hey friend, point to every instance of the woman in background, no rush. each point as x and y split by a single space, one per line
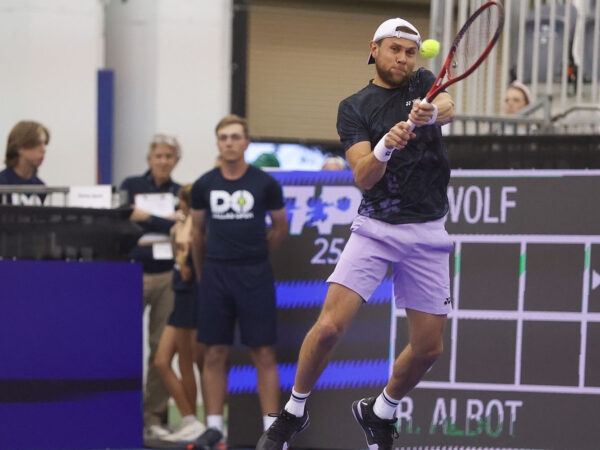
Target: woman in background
179 336
516 98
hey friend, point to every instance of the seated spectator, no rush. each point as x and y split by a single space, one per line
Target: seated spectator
334 162
25 151
516 98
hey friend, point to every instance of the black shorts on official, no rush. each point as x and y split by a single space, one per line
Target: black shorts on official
237 294
184 314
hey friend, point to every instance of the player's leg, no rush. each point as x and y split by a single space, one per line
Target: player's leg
359 271
340 307
421 286
356 276
377 415
426 343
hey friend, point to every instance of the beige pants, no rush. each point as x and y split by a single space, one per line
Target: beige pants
158 294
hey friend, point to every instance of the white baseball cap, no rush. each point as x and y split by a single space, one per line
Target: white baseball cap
391 28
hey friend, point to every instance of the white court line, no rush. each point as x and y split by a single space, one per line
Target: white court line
527 238
538 388
584 309
537 173
514 315
456 300
519 315
520 310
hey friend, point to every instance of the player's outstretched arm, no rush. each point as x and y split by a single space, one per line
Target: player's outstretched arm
367 170
368 165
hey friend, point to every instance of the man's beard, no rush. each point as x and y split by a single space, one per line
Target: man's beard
389 79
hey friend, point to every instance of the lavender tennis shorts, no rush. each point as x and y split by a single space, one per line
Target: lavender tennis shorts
419 255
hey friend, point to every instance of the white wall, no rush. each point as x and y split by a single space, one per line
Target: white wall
50 51
172 75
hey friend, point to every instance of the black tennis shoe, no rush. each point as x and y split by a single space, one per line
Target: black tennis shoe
208 440
380 433
281 432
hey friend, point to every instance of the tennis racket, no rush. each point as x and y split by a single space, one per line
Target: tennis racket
470 47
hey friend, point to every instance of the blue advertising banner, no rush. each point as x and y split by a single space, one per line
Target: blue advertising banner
71 352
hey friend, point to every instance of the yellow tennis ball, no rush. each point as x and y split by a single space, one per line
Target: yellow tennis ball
430 48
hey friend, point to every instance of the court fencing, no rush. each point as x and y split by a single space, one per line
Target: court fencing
553 46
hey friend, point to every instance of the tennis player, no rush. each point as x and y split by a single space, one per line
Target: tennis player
404 175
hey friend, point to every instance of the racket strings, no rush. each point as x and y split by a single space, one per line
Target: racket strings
472 44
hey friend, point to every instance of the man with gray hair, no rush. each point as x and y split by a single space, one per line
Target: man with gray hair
163 154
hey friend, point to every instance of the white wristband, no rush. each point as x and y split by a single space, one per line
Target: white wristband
435 114
381 152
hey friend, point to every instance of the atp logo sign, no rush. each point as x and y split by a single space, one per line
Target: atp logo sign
322 208
236 206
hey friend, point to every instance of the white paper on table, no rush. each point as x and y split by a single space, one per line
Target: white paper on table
159 204
153 238
90 196
162 250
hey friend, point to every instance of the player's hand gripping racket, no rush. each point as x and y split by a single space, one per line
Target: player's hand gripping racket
470 47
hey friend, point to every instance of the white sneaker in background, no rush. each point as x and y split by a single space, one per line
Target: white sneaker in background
155 432
187 433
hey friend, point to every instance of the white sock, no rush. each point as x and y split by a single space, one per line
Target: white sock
186 420
385 406
215 421
267 421
296 403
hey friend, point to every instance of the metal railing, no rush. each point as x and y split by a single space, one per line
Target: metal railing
552 46
32 194
580 119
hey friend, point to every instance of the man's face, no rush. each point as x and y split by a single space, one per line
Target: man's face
162 161
232 142
34 156
395 59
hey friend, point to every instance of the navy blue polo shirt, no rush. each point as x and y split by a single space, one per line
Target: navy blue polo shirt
9 177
